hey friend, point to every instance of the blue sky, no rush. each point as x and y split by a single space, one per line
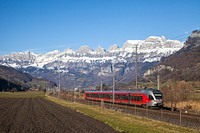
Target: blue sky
45 25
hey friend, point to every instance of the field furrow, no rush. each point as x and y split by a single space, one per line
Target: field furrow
35 115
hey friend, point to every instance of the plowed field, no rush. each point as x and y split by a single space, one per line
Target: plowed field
38 115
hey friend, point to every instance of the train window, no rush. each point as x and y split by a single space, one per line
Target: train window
139 98
120 97
136 98
95 95
123 97
158 95
99 95
151 97
132 98
117 96
107 96
129 98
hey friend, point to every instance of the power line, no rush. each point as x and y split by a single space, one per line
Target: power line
136 67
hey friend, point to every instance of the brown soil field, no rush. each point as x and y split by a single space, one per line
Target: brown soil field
38 115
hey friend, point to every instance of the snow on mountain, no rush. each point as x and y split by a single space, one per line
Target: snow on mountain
182 65
114 48
130 45
155 39
151 49
84 49
69 51
93 62
100 50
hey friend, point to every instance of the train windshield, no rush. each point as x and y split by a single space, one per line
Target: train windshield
158 95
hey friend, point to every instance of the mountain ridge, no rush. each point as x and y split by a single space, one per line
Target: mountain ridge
87 66
182 65
15 80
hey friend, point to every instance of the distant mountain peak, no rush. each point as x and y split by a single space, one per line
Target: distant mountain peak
155 39
53 52
195 33
193 40
85 65
183 64
113 48
100 50
85 49
69 51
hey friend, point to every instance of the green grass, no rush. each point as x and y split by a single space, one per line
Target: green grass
197 95
123 122
28 94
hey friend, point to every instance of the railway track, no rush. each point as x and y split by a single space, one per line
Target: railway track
174 117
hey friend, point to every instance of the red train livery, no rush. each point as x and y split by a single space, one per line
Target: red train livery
143 97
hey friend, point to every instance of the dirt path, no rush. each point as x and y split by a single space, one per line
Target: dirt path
38 115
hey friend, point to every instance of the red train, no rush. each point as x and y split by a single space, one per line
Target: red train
142 97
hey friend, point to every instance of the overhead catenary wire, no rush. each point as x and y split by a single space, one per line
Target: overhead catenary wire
181 36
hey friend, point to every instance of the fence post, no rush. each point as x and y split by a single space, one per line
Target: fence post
126 108
180 117
147 111
102 104
110 104
135 108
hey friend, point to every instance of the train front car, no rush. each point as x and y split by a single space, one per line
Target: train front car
146 97
155 97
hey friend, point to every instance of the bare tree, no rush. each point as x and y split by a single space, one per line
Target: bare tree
176 91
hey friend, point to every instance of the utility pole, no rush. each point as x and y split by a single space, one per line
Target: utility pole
101 85
74 87
158 80
113 84
8 84
101 80
59 80
136 67
59 86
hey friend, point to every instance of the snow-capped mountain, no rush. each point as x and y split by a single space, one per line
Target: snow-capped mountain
182 65
88 67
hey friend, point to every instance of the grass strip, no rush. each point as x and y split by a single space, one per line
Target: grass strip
123 122
24 94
